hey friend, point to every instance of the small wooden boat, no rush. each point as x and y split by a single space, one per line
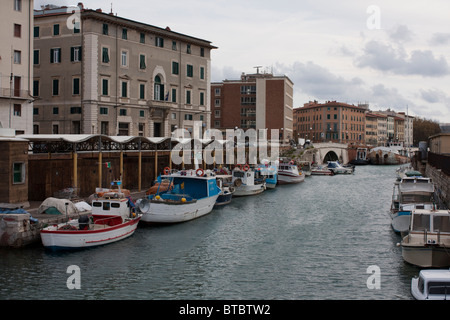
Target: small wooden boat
113 218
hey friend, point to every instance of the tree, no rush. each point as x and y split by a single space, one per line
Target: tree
423 129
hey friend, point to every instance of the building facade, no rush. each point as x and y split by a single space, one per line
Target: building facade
16 69
255 101
97 73
330 121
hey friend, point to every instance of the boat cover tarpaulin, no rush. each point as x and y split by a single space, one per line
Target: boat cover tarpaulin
50 204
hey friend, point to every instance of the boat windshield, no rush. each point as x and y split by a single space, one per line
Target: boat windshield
421 222
438 287
441 223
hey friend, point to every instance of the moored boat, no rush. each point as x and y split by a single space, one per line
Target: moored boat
270 174
113 218
337 168
428 241
227 190
193 195
431 284
288 173
247 181
321 171
361 157
409 194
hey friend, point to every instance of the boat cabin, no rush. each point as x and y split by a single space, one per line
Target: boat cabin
431 285
430 223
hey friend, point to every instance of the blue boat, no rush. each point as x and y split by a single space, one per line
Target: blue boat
270 173
227 190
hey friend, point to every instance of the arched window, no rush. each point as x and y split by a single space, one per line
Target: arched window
159 89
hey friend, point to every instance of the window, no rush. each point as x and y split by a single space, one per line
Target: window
189 70
56 29
17 57
17 30
202 98
36 57
202 52
123 129
142 65
55 87
76 86
55 110
36 88
35 129
174 45
36 32
104 127
188 116
141 128
142 38
105 29
105 55
75 110
202 73
141 113
159 89
217 103
217 91
173 116
188 96
55 129
217 113
142 91
18 5
17 110
175 67
123 112
105 87
124 58
124 89
159 42
76 27
103 110
188 48
124 34
55 55
75 54
18 172
35 111
174 95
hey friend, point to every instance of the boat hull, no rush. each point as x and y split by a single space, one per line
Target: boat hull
55 239
400 221
245 190
289 179
223 199
426 256
164 212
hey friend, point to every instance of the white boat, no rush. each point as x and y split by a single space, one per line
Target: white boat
193 195
288 173
305 167
428 241
321 171
410 193
113 218
337 168
432 284
246 181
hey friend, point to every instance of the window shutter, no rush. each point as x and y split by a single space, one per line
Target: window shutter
52 51
72 54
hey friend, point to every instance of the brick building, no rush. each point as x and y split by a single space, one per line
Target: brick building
258 101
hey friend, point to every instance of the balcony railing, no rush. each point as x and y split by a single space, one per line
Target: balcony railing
18 94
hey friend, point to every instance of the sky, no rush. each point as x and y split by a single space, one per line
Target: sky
389 54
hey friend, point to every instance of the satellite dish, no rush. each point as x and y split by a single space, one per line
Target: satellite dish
143 205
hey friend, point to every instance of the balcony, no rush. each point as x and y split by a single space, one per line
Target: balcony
14 94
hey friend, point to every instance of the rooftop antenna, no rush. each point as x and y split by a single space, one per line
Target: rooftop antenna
111 8
257 69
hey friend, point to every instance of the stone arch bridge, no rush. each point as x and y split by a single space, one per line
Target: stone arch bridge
330 151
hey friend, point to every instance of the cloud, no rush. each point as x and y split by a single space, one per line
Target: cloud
401 33
384 57
440 38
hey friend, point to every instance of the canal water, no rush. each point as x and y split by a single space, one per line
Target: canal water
318 240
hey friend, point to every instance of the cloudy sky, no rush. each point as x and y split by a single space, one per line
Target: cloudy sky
390 54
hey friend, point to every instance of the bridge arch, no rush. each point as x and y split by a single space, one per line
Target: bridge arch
330 156
330 151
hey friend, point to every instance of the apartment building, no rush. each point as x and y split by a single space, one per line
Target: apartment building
16 69
255 101
96 72
330 121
